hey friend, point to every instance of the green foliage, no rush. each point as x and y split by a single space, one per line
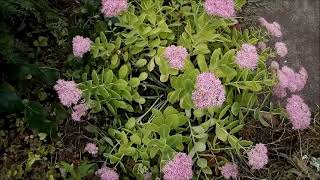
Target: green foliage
41 42
29 155
138 140
107 90
32 158
183 86
137 47
9 100
34 40
18 65
78 173
23 7
37 118
240 3
126 76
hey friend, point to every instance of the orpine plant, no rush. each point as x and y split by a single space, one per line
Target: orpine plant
212 74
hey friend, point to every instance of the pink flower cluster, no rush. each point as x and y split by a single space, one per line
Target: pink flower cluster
209 91
81 45
79 111
91 148
293 81
176 56
112 8
298 112
279 91
247 57
230 170
273 28
258 156
281 49
106 173
68 92
288 79
180 168
221 8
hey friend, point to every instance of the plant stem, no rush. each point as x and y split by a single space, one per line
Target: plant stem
194 142
142 116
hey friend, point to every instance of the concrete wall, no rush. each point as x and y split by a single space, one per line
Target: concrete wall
300 24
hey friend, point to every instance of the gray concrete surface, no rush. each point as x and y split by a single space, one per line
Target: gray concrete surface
299 20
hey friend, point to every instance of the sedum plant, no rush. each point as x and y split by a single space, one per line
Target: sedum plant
209 72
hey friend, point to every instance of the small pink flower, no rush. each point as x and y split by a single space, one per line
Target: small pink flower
180 168
247 57
298 112
230 170
81 45
79 111
221 8
91 148
295 82
112 8
176 55
68 92
279 91
288 79
274 29
281 49
106 173
258 156
209 91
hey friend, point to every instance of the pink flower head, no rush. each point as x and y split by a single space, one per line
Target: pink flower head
68 92
247 57
91 148
229 170
180 168
279 91
81 45
106 173
288 79
209 91
281 49
298 112
262 46
258 156
112 8
79 111
221 8
274 29
176 56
